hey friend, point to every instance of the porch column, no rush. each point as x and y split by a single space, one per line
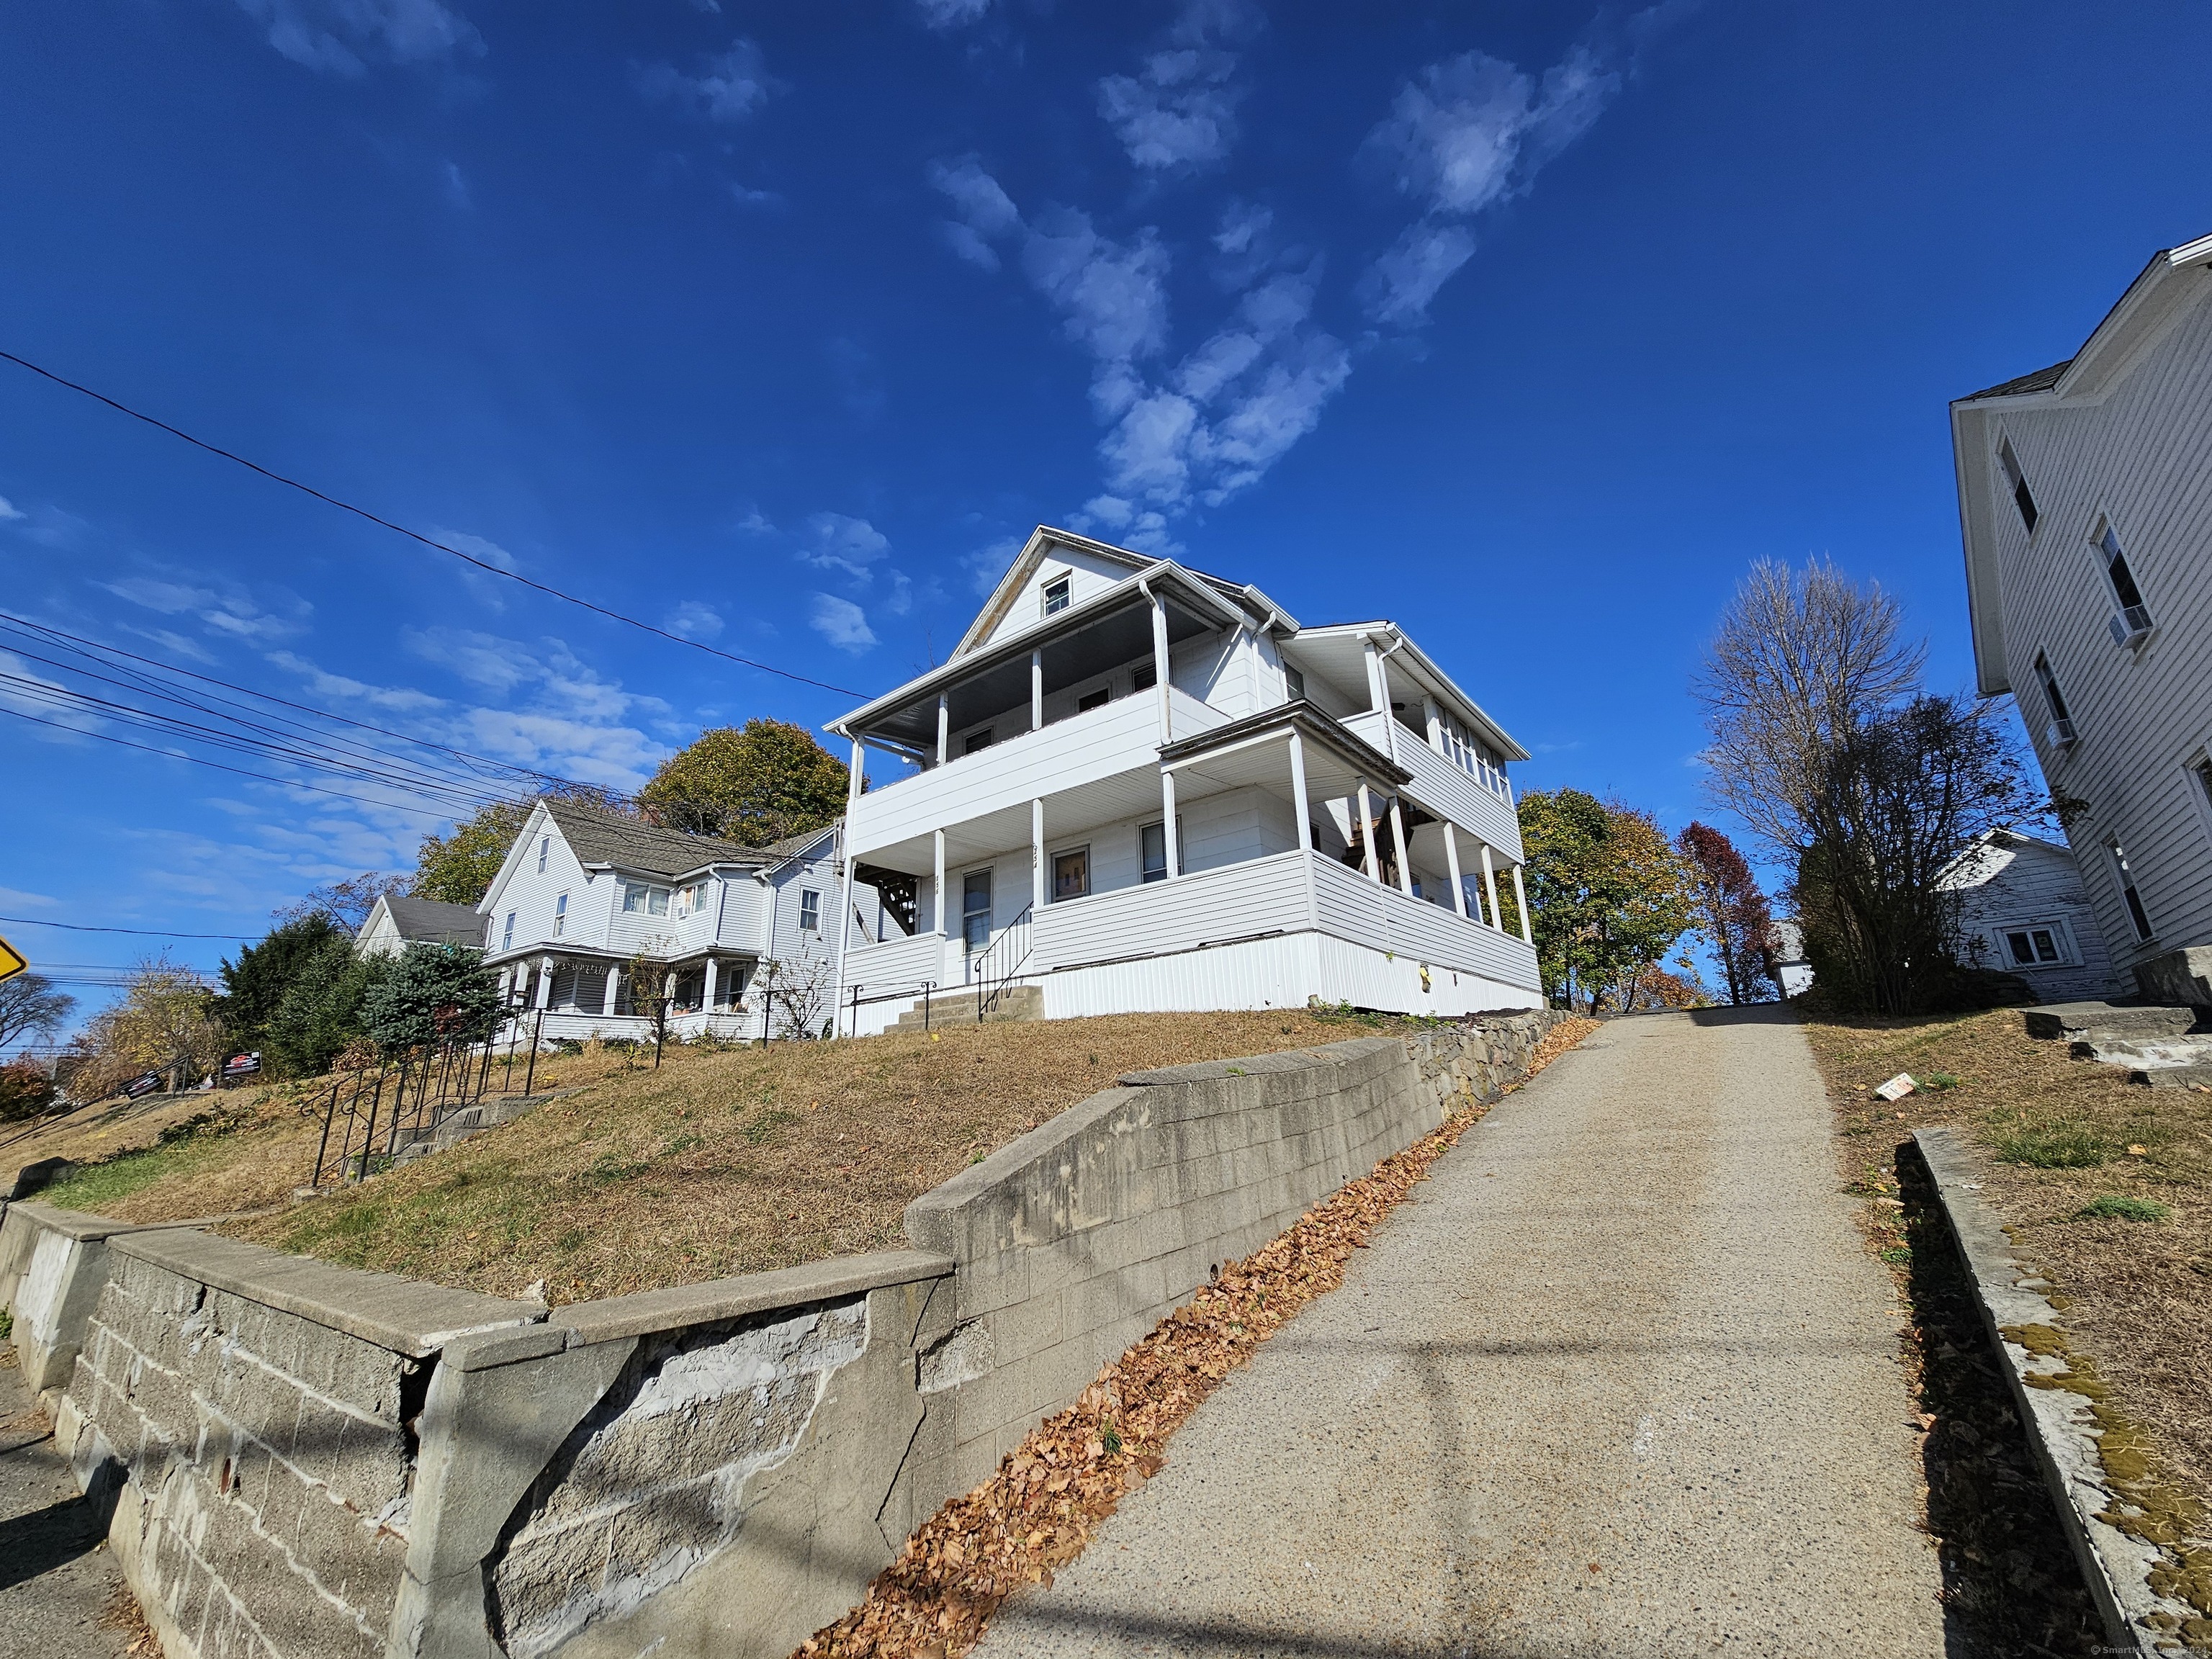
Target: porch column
1160 677
1490 887
1168 837
842 846
1451 861
1298 790
1036 854
943 728
937 886
1521 895
614 990
543 996
1036 690
1378 681
707 988
1367 834
1398 840
1435 718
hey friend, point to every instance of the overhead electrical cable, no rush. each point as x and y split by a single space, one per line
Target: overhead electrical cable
484 565
147 932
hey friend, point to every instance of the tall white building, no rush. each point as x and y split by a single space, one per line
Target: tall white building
1133 787
2084 494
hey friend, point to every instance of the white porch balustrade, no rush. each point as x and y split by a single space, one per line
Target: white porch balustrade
1443 786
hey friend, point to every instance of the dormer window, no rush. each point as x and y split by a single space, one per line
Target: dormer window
2132 621
2022 497
640 898
1057 593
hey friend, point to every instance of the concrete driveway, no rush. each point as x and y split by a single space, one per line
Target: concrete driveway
1619 1380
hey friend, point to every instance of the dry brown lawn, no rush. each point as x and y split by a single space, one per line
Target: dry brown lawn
734 1161
2135 1293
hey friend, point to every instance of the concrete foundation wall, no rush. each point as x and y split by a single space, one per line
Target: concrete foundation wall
310 1462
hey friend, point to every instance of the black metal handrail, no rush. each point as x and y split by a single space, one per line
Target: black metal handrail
993 971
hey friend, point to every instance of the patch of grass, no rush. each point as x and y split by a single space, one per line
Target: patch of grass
2117 1206
1938 1081
2048 1143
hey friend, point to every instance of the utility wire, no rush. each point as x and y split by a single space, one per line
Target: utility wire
484 565
147 932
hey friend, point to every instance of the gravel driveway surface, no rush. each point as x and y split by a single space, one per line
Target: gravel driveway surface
1619 1380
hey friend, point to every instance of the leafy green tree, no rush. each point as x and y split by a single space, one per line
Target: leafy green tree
458 867
320 1013
756 783
1607 895
254 985
432 993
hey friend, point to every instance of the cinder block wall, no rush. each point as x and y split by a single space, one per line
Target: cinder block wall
1075 1240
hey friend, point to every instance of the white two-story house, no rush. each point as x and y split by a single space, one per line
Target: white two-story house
588 900
1135 788
2085 493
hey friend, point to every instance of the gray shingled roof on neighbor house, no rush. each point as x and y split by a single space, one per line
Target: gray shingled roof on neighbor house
2042 380
429 921
628 843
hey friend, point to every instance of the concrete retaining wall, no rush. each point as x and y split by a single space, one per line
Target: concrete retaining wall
308 1460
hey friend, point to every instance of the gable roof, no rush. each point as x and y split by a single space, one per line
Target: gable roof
597 837
431 921
2174 279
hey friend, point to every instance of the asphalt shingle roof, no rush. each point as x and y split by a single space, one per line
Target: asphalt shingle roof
602 838
430 922
2042 380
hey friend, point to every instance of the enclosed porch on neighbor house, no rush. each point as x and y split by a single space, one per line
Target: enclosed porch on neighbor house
580 994
1261 861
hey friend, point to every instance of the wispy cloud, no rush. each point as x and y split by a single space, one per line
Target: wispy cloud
553 712
841 622
837 542
232 613
695 620
1462 136
9 509
951 13
1179 110
344 37
729 87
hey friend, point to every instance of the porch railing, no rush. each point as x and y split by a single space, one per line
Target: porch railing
371 1115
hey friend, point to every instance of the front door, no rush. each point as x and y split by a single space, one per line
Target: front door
975 909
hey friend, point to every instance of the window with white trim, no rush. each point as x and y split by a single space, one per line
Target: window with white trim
2022 497
1294 683
545 846
2129 897
690 900
560 915
2132 620
2036 944
1058 594
642 898
506 933
810 910
2060 732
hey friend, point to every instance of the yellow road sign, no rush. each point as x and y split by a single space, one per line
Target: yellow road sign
11 961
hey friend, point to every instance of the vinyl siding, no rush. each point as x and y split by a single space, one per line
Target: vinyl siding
2011 886
2141 457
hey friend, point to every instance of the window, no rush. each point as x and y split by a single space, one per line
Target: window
810 910
978 740
506 933
691 900
2202 772
1143 677
1057 593
2126 879
975 908
2034 946
2132 621
1153 851
1071 874
2022 497
560 915
1294 681
545 845
1091 700
2061 729
643 899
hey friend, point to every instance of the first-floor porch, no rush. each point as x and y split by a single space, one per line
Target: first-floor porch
583 991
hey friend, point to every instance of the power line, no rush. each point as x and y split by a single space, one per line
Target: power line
147 932
484 565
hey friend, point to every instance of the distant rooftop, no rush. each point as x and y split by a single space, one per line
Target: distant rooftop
2042 380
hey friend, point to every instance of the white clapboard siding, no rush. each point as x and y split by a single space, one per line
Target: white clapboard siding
2017 884
1365 912
1442 787
1264 895
2143 459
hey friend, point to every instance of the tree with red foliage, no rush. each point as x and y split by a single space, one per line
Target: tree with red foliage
1731 912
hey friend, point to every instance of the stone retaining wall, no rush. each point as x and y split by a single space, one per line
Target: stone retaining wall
310 1461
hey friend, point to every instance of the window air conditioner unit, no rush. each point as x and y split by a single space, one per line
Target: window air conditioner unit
2060 734
2130 625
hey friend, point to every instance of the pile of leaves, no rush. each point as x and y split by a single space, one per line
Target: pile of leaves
1039 1509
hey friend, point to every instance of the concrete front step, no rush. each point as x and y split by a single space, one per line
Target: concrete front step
2097 1022
1016 1004
2199 1076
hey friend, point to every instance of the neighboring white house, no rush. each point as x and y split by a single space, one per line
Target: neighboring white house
2022 911
398 921
584 893
1138 787
2085 493
1793 970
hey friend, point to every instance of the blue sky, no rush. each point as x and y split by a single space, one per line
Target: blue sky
1527 326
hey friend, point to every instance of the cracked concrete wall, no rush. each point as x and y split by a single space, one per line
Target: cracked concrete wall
1077 1238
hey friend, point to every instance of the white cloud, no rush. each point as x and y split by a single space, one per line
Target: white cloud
9 509
1180 109
1241 224
1463 136
841 622
457 187
963 239
730 87
231 614
395 699
16 899
976 197
986 565
344 37
951 13
695 620
558 715
836 542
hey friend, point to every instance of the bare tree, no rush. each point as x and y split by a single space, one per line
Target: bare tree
1801 659
347 903
30 1007
800 991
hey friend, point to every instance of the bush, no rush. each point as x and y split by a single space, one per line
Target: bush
432 993
2112 1207
26 1092
2051 1144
